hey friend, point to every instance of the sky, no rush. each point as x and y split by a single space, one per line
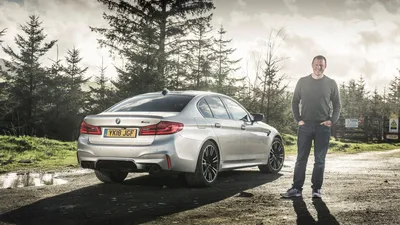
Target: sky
358 37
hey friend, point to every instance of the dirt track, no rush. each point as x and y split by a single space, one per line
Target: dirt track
358 189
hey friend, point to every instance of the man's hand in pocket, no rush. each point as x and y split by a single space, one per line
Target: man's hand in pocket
327 123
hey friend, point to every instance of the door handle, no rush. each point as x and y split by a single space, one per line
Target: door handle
217 125
243 127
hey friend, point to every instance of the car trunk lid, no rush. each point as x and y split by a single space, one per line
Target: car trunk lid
123 129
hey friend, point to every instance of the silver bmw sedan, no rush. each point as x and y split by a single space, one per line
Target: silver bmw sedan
197 134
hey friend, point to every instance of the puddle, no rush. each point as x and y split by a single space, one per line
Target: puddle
17 180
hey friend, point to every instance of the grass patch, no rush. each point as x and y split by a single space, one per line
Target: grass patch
45 154
27 153
290 143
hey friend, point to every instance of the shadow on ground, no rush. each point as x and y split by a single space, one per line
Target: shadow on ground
305 218
137 200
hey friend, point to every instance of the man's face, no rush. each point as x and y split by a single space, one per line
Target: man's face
318 66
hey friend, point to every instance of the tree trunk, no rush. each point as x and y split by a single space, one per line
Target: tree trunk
161 53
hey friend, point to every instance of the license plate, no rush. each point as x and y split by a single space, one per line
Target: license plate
120 133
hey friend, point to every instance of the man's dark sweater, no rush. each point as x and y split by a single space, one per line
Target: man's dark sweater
315 96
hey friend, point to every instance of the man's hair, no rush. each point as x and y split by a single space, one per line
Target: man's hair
319 57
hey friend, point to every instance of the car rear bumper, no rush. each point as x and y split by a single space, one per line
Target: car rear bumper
168 153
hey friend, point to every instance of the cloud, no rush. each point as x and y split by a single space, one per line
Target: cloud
390 6
340 9
241 3
353 46
357 36
291 5
238 18
370 38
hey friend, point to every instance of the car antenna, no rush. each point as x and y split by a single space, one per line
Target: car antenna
165 91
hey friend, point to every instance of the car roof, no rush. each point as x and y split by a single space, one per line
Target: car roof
188 92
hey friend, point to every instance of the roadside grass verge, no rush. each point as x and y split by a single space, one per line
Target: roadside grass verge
338 147
25 153
33 154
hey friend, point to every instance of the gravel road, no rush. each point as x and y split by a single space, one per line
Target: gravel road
358 189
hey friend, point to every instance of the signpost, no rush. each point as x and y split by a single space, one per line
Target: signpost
351 123
393 128
393 125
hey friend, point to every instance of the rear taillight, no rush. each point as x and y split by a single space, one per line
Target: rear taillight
161 128
89 129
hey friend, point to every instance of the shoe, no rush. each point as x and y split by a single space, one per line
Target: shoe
292 192
316 193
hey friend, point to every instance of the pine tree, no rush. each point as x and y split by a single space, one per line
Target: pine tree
199 56
56 83
26 76
4 107
387 109
56 104
344 97
271 88
246 93
74 71
102 96
361 97
76 98
139 73
376 106
352 94
2 33
177 70
147 25
225 66
394 94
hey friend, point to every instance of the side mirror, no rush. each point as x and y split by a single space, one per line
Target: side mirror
257 117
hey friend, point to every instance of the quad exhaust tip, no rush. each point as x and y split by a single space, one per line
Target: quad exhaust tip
153 168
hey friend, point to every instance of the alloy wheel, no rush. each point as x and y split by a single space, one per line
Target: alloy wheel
210 163
276 155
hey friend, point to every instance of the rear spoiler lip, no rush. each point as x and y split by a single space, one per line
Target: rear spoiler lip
154 115
122 116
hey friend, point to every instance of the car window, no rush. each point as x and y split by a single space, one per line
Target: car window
205 109
217 107
153 103
238 113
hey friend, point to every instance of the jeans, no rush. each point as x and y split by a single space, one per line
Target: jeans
307 133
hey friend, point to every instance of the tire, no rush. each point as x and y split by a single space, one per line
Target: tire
111 176
210 155
276 157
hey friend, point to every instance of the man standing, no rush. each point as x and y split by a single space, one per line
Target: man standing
315 92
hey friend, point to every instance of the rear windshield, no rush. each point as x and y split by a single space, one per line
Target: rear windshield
153 103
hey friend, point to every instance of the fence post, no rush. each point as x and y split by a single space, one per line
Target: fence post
398 130
382 128
343 128
385 119
335 128
366 128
